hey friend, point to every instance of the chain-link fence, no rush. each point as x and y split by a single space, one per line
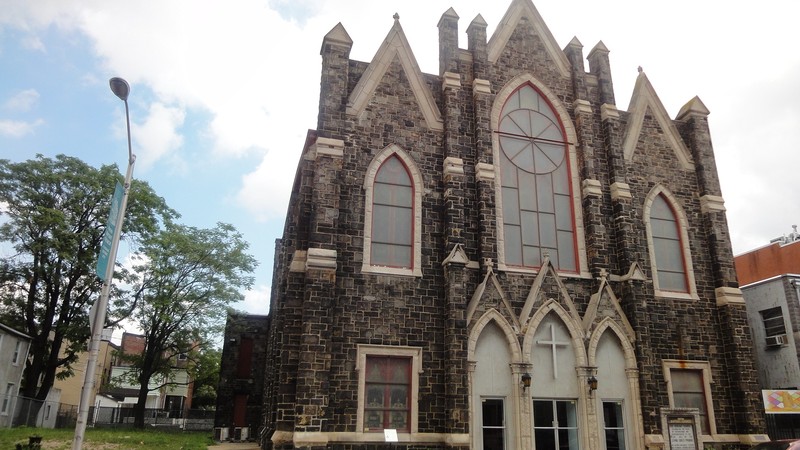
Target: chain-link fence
23 411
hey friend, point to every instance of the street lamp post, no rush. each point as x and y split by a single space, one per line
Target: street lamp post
121 89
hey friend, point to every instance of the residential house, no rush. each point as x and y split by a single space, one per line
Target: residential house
14 346
770 280
172 394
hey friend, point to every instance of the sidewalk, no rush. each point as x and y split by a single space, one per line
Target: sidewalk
235 446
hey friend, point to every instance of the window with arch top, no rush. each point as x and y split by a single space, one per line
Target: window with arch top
668 244
538 216
392 236
670 266
392 213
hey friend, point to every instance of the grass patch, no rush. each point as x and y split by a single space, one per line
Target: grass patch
108 439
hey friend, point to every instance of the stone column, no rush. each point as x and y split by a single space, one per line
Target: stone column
313 390
734 329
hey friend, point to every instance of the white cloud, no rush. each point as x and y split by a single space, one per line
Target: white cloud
22 101
256 300
157 136
18 128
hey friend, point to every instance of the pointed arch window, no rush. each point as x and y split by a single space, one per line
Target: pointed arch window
670 266
670 255
392 212
391 219
537 211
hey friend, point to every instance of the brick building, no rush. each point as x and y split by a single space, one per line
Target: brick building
770 279
498 257
240 392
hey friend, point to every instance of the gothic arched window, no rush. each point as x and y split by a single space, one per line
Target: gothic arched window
538 216
392 216
392 222
668 258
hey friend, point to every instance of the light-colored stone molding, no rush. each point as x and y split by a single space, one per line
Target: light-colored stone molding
694 107
600 47
365 350
303 439
591 188
561 111
395 47
582 106
480 86
321 259
683 226
419 187
621 191
509 22
298 263
608 111
705 368
457 255
337 36
484 172
453 167
634 273
729 296
451 81
327 147
644 97
712 203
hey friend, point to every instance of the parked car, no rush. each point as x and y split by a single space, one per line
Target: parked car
783 444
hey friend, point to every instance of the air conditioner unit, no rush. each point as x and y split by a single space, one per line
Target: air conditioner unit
777 341
221 434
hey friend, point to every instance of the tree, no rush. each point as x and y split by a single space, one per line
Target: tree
206 378
184 281
54 213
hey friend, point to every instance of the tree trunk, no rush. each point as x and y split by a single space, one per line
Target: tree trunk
140 408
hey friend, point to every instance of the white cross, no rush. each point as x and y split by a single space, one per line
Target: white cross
553 343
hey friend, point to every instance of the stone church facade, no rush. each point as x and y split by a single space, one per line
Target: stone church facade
498 257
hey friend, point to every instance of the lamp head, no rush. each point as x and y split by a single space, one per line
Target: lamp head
526 380
120 88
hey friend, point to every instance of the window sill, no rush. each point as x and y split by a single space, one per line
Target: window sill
383 270
677 295
531 271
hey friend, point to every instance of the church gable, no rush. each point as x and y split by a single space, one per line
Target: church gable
604 305
490 295
395 54
646 104
522 15
547 286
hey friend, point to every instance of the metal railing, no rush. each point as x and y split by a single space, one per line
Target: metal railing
23 411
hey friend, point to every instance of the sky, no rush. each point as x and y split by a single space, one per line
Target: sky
223 93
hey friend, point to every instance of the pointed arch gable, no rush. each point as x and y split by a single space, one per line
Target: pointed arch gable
547 271
516 11
609 325
417 188
477 297
570 135
395 46
683 227
573 326
590 317
492 315
644 97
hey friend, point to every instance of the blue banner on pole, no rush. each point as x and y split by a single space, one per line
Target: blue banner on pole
108 235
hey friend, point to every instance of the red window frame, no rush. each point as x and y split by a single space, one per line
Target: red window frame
395 262
571 195
389 410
